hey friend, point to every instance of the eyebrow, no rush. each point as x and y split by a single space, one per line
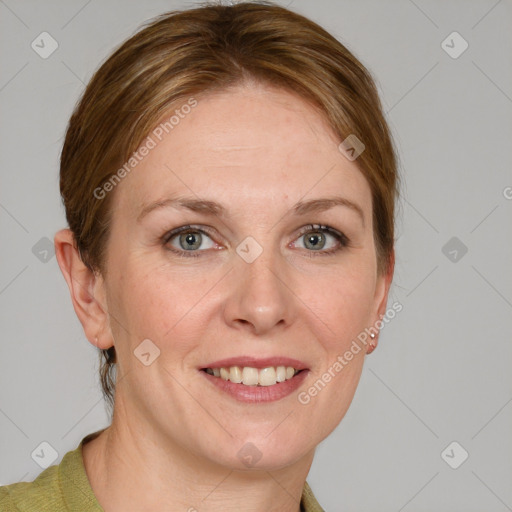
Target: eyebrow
215 209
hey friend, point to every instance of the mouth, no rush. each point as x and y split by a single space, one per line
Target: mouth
256 380
250 376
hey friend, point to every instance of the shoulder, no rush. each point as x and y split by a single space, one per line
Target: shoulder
308 502
41 494
59 488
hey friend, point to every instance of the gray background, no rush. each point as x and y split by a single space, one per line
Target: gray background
442 370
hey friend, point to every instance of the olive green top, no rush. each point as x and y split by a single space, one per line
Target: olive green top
65 487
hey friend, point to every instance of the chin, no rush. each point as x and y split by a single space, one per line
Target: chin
264 452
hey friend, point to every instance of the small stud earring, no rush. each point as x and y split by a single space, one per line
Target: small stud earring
372 345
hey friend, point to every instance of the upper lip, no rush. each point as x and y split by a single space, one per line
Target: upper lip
256 362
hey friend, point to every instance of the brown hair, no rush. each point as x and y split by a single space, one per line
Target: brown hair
187 53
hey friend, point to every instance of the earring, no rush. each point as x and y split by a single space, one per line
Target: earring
372 345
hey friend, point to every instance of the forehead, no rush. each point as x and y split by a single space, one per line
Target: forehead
248 144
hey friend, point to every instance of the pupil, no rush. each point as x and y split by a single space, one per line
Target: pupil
191 241
315 240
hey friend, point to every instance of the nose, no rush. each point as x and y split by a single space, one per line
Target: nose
260 298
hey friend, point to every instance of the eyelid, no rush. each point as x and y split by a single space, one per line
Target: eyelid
169 235
325 229
189 227
342 239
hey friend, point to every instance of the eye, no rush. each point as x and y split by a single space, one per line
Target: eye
317 240
188 240
323 240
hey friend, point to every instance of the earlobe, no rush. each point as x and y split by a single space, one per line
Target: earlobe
381 300
87 290
373 343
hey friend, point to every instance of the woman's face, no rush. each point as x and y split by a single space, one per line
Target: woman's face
249 280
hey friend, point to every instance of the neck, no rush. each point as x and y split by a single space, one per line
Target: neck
133 468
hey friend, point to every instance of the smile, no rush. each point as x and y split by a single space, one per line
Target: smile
249 376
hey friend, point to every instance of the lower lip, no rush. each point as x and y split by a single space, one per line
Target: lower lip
258 394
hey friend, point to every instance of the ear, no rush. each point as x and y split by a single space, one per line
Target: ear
87 289
381 294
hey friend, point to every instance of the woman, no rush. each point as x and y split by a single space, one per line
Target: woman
229 183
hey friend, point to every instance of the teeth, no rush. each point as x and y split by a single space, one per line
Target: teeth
253 376
235 374
281 374
249 376
267 377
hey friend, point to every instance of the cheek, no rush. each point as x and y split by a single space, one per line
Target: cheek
342 301
160 305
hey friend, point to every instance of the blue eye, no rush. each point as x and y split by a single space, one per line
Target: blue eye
191 241
316 237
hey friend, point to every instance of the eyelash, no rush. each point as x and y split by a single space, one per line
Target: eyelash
315 228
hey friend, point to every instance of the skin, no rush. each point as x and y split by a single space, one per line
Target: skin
175 437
